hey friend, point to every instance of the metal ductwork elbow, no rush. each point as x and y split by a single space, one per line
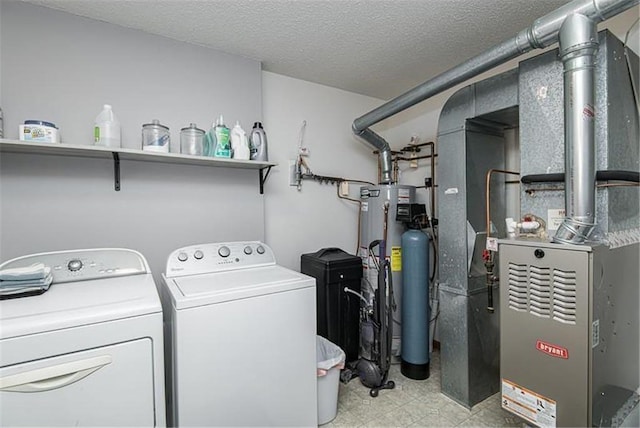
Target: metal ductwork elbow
383 147
578 39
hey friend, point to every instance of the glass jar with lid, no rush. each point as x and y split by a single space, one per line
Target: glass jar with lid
155 137
191 140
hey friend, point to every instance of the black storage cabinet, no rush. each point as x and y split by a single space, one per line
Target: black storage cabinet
338 312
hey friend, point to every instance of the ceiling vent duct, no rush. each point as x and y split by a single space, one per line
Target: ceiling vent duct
541 34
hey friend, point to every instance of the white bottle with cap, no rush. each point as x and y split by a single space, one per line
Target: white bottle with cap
239 143
107 128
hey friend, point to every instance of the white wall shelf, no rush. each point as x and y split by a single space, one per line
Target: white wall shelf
118 154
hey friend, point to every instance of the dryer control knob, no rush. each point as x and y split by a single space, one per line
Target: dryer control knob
182 257
198 255
224 251
248 250
260 249
74 265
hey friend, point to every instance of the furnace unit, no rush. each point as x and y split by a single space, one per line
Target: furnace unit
569 332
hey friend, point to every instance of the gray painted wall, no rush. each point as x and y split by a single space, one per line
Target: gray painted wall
61 68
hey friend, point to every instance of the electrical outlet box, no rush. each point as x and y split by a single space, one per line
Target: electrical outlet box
344 188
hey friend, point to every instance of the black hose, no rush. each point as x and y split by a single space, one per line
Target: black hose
543 178
614 175
617 175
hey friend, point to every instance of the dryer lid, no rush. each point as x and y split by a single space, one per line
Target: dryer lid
197 290
73 304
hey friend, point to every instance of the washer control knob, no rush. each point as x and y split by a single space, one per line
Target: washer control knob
198 255
74 265
182 257
248 250
224 251
260 249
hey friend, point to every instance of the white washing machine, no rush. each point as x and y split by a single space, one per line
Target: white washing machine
241 340
87 352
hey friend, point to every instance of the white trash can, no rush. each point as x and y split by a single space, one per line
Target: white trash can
330 360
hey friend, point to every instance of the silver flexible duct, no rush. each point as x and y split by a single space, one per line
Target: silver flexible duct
542 33
578 45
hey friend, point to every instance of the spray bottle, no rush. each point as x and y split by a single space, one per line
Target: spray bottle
258 143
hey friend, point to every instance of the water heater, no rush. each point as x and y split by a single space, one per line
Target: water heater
371 229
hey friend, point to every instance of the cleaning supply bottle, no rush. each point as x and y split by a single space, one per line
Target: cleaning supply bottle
239 143
107 128
209 142
258 143
223 146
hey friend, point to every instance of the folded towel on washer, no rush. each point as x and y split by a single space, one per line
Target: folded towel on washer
26 288
41 282
35 271
25 281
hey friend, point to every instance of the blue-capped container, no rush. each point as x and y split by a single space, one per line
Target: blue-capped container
39 131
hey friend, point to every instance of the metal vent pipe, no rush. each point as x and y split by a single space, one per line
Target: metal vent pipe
542 33
578 45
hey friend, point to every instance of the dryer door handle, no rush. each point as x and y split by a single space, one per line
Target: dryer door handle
52 377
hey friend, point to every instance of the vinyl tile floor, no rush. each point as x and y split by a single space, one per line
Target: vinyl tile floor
415 404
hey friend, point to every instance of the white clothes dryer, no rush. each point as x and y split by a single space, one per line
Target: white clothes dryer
241 338
87 352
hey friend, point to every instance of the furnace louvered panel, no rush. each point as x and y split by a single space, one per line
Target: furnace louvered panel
540 291
543 292
564 296
518 278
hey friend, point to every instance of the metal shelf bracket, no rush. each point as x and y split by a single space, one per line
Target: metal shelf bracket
263 178
116 171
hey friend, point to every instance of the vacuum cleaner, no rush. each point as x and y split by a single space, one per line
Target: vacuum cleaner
377 326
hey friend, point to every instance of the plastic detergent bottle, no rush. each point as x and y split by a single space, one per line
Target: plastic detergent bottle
106 130
239 143
223 146
258 143
209 142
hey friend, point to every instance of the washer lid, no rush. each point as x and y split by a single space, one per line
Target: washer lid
78 303
197 290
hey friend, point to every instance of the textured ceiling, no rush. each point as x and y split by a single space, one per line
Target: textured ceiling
379 48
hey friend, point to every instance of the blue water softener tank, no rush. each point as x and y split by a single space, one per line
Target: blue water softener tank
415 304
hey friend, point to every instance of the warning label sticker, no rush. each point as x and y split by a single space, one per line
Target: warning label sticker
555 217
396 259
533 407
